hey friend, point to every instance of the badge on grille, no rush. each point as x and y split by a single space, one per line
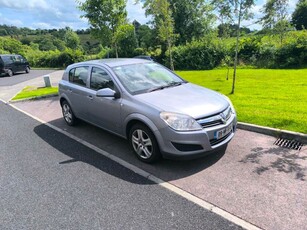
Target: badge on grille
223 117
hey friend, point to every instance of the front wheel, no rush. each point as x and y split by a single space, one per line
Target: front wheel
144 144
27 69
68 114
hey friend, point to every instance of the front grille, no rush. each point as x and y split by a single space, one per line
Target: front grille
215 142
211 124
215 120
289 144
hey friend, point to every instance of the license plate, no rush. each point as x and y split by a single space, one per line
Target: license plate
222 133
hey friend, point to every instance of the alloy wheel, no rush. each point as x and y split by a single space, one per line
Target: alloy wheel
142 144
67 113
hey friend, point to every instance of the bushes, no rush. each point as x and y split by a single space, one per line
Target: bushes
293 54
54 59
197 55
12 46
262 51
249 50
38 58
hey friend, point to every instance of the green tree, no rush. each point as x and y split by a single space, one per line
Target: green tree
224 16
145 36
276 17
3 32
192 19
106 18
299 16
71 39
126 39
46 43
163 22
240 10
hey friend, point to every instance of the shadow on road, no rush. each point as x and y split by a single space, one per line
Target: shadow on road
166 170
80 153
285 161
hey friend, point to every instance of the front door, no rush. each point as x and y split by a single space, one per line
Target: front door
104 112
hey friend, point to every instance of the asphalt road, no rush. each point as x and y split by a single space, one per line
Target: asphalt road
22 77
254 179
49 181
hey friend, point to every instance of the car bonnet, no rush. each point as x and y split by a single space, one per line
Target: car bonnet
188 98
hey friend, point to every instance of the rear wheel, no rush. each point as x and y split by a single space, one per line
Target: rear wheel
10 73
144 143
68 114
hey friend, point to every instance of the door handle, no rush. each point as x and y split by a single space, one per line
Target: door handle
90 97
70 90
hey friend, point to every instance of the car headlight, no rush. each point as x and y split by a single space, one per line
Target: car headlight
180 122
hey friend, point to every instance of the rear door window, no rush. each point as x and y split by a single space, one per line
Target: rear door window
79 75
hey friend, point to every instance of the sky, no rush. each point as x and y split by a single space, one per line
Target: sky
56 14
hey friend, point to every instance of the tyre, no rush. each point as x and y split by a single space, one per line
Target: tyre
27 69
68 114
10 73
144 143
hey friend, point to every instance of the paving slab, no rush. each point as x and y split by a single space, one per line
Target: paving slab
253 179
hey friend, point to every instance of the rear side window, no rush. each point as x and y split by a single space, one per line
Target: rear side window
79 75
7 60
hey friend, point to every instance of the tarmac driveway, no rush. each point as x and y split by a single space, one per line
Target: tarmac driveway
253 179
22 77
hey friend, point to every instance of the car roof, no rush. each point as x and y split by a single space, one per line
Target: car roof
113 62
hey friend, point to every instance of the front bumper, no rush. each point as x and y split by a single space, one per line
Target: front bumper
193 144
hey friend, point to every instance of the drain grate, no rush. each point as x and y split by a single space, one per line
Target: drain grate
289 144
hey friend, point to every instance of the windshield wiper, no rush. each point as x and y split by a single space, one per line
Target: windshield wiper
171 84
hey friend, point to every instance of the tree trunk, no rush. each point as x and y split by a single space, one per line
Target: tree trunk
116 52
170 56
227 72
236 53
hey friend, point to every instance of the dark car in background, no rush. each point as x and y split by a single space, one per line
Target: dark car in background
13 63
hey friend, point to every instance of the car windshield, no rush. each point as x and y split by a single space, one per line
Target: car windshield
146 77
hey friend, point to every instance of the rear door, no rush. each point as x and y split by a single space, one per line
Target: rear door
77 91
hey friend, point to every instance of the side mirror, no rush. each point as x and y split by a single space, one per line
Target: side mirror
107 92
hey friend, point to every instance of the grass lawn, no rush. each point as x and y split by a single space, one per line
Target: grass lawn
274 98
32 92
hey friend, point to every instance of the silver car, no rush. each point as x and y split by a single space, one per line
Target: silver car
157 111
